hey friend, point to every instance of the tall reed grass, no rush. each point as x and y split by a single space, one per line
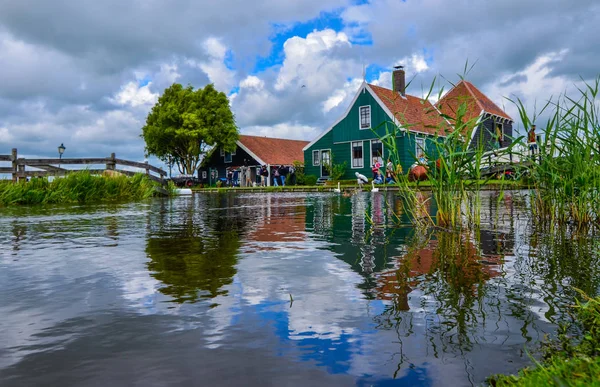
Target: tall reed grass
566 173
77 187
454 170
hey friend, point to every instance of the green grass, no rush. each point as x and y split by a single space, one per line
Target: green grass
569 360
77 187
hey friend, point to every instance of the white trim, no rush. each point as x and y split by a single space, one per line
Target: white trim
313 142
255 157
360 117
371 151
362 144
318 157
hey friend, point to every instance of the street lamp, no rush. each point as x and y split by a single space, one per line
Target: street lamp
61 150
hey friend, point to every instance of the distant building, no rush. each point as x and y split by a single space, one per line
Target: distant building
253 151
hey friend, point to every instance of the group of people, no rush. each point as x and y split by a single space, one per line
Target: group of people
280 174
391 173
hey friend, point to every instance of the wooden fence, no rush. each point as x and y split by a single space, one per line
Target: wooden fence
52 167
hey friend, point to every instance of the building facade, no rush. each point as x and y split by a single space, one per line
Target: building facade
252 152
408 126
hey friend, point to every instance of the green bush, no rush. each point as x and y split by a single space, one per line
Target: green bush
309 180
77 187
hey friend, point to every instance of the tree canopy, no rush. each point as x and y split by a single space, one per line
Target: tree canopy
185 123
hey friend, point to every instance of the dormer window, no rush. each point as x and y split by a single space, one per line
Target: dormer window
365 117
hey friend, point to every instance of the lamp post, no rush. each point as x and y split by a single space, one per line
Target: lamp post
61 150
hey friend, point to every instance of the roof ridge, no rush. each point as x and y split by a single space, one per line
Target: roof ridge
468 87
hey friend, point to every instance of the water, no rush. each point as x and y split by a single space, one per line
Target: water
277 289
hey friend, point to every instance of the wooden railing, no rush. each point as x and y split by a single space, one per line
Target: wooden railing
52 167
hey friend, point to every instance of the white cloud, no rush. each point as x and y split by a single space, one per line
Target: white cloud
252 82
215 67
343 96
309 61
5 136
134 95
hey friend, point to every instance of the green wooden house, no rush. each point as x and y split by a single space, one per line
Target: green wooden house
375 111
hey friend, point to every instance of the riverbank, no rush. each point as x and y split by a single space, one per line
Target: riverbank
78 187
570 360
492 185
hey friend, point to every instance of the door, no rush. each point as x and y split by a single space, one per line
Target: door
325 163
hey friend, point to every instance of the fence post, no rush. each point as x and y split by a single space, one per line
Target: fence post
110 165
14 164
147 169
21 169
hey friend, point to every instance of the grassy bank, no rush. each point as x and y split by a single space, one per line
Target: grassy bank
571 360
77 187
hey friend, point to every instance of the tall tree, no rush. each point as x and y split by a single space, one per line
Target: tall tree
185 123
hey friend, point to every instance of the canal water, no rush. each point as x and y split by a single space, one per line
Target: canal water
278 289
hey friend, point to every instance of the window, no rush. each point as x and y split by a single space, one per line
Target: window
357 154
316 158
365 117
419 147
376 151
227 157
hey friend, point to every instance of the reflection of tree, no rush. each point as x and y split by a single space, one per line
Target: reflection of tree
193 247
188 264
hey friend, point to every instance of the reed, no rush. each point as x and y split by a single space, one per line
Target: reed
77 187
566 172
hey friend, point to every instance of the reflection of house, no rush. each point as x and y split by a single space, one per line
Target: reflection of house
253 151
285 222
456 259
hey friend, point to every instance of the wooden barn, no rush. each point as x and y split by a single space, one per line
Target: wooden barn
253 152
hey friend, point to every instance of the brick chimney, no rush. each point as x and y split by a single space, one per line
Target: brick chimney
399 80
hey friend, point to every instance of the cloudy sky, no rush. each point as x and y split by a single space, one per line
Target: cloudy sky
86 73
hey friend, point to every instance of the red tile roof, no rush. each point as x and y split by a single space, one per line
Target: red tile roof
413 112
275 150
476 101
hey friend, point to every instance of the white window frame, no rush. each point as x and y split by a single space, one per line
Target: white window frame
420 149
362 161
318 163
371 151
360 108
230 158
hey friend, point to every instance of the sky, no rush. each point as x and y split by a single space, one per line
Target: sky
86 73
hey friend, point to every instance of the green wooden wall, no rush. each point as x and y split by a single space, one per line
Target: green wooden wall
340 137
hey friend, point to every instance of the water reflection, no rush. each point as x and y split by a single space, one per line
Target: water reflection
298 289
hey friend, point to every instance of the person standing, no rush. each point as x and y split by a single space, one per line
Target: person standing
532 140
264 173
276 176
283 171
